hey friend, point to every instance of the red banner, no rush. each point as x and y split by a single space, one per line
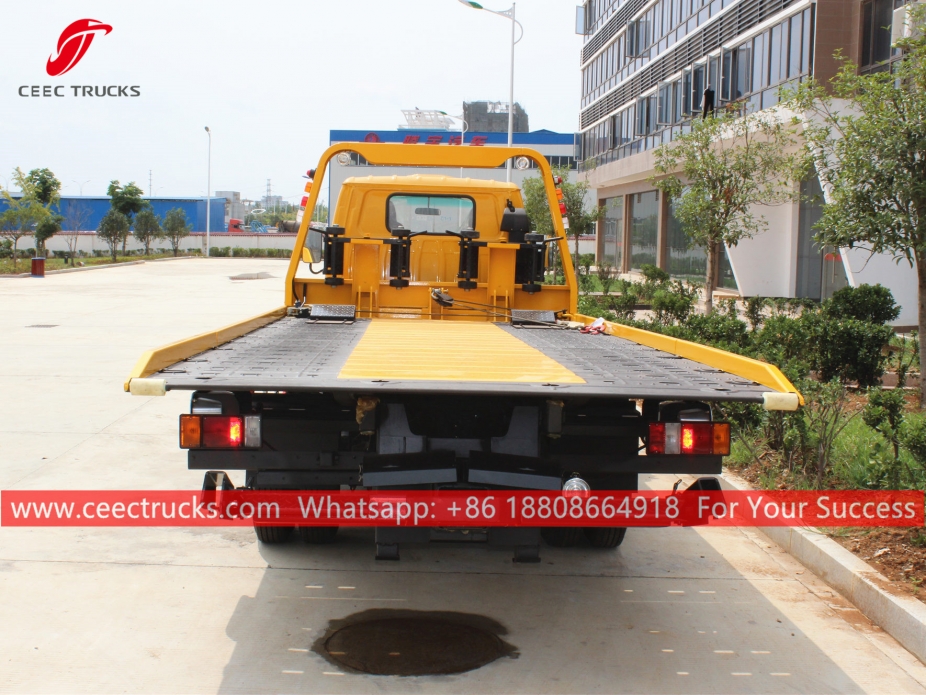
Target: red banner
461 508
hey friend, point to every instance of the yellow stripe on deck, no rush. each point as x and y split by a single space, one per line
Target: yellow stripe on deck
449 351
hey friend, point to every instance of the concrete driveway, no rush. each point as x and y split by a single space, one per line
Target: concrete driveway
717 610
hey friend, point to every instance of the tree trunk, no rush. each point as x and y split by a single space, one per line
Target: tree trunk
921 319
124 239
113 248
16 241
709 276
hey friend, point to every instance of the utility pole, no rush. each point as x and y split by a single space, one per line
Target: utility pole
150 189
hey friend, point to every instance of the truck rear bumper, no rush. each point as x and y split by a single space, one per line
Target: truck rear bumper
348 468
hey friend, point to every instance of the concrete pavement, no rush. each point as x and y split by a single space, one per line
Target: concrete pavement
208 610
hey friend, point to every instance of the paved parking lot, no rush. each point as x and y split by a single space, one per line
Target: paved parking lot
205 610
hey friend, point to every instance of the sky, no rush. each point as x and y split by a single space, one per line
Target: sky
270 79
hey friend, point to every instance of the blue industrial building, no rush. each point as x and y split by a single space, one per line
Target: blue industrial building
92 209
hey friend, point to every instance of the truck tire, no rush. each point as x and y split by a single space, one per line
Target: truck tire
273 534
317 535
602 537
561 536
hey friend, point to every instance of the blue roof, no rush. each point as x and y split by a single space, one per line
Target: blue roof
535 137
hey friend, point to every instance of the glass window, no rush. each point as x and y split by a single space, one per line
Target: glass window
697 87
611 250
743 71
435 214
807 49
867 26
643 228
809 257
783 55
686 92
794 61
882 16
775 56
726 75
685 261
760 62
725 271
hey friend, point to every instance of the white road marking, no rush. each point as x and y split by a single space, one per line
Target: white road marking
295 649
723 651
344 598
332 673
294 672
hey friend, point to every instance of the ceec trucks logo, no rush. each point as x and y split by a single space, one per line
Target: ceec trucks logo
73 44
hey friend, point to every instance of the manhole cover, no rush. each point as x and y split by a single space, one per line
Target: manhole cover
251 276
413 643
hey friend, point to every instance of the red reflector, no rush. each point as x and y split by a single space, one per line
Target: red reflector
562 208
657 438
697 438
220 432
305 201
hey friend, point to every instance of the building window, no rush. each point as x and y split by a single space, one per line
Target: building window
611 248
644 223
684 261
877 17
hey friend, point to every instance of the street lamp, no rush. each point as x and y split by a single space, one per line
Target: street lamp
510 15
80 185
208 187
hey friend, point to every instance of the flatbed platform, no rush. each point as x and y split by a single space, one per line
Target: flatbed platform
417 356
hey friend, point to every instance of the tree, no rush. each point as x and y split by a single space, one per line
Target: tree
23 214
45 230
114 227
76 220
48 192
580 218
147 228
176 228
870 155
127 200
720 170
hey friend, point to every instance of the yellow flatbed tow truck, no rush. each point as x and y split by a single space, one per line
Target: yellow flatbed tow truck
433 352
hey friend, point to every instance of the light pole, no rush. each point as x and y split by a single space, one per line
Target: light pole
208 187
80 185
510 15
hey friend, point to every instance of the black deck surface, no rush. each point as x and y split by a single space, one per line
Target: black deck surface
294 354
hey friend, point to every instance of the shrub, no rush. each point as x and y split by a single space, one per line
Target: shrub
869 303
673 303
848 349
912 436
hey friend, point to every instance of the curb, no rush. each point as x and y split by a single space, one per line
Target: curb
99 266
902 617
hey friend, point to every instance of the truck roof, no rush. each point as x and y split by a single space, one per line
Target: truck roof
429 181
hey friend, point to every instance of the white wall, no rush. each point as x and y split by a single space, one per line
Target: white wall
763 266
863 267
88 242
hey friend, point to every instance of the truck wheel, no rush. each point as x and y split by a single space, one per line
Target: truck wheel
273 534
605 537
317 535
561 536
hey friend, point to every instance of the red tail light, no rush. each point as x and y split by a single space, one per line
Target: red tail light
219 432
689 438
657 438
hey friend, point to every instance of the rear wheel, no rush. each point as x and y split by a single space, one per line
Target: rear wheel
273 534
605 537
561 536
317 535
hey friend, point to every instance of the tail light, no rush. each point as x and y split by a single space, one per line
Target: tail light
691 438
219 432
